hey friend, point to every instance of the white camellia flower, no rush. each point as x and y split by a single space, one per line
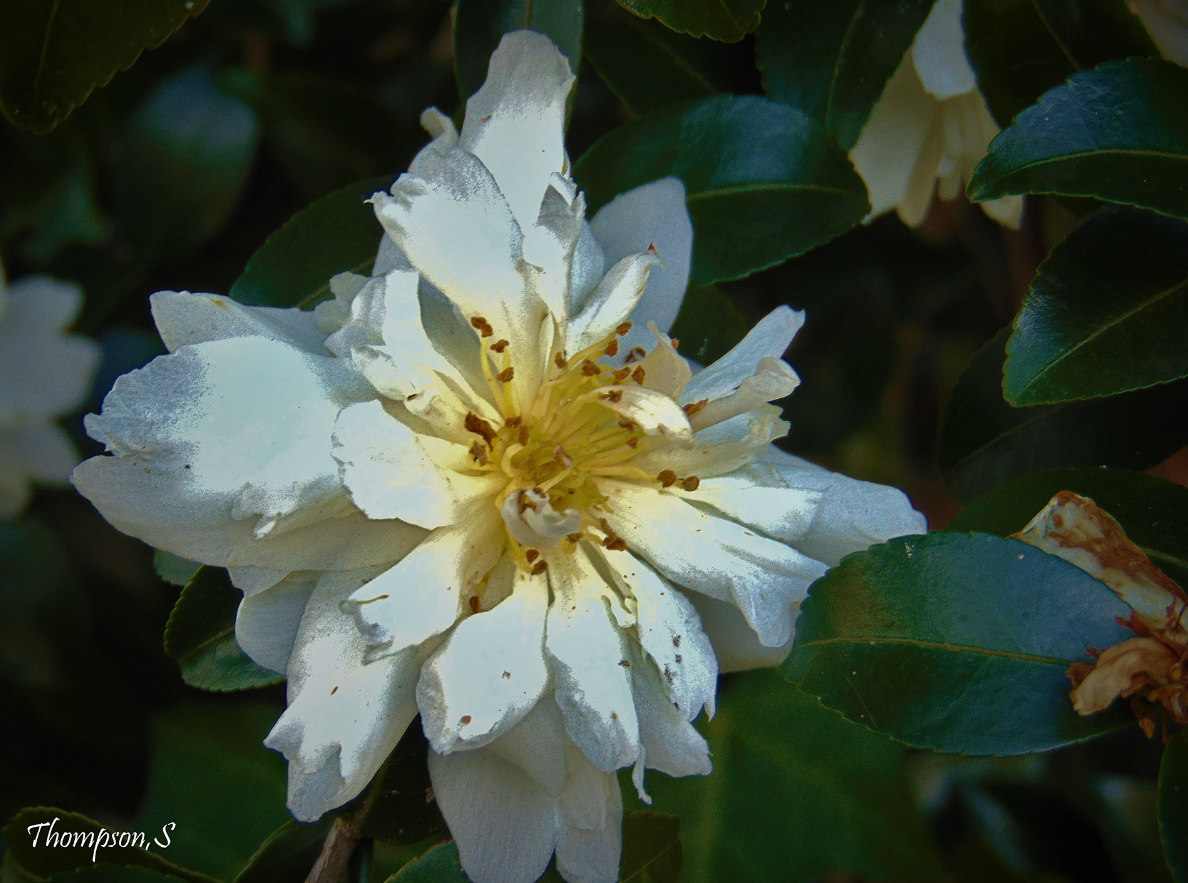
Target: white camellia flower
482 486
1167 23
930 128
47 373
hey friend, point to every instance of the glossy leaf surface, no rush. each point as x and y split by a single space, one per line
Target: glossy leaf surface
728 20
832 60
939 641
288 854
200 635
339 232
54 52
1107 311
764 182
1118 133
985 442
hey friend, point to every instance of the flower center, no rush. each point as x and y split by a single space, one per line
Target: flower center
556 448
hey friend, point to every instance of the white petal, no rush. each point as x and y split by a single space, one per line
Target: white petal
183 318
1167 23
852 516
46 372
892 139
533 522
389 473
345 715
505 826
251 578
539 746
612 301
653 215
768 339
939 52
670 632
735 643
714 556
489 673
783 513
651 411
550 243
587 649
586 270
267 622
422 595
589 853
515 123
671 743
665 370
39 452
719 449
774 379
1008 210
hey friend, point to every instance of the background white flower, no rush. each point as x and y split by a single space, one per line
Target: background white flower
46 373
930 127
481 485
1167 23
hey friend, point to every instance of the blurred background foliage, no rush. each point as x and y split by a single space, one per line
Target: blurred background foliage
173 173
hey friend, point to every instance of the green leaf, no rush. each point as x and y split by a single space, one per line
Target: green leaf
957 643
1118 133
402 808
479 25
764 182
648 65
708 325
337 233
796 792
651 848
113 874
200 635
1107 311
288 854
984 442
92 838
1173 806
1020 49
726 20
439 865
174 570
832 60
54 52
213 777
1152 511
184 164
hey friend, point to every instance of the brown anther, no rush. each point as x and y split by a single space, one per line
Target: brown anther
615 396
638 376
531 555
667 478
574 537
561 458
474 604
523 439
612 348
479 426
483 326
499 345
526 503
514 421
637 352
633 442
590 369
479 451
626 424
615 544
693 407
623 328
676 344
624 663
477 321
464 720
621 375
560 361
691 483
606 528
541 567
506 375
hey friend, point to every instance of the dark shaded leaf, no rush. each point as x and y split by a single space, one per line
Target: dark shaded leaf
200 635
1173 806
185 161
439 865
651 848
288 854
1152 511
708 325
1107 311
1118 133
1020 49
337 233
114 874
403 809
826 794
957 643
832 60
984 442
648 65
764 182
54 52
174 570
726 20
93 840
479 25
